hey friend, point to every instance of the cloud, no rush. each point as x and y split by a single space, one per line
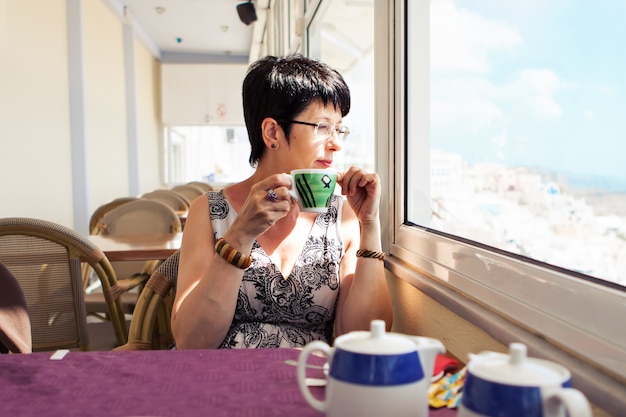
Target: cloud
461 40
602 87
472 113
465 101
535 89
589 115
464 46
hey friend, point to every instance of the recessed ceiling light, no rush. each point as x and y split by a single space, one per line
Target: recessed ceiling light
159 9
224 28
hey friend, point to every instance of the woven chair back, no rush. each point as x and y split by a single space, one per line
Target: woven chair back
171 198
142 216
150 326
190 192
45 258
105 208
202 185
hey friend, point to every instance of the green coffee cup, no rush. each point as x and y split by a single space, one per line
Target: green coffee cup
313 188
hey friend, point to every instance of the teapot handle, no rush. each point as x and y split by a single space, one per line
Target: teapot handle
316 346
428 349
573 400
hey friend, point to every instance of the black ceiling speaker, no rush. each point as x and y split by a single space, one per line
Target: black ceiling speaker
246 12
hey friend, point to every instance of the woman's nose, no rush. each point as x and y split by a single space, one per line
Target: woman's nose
333 142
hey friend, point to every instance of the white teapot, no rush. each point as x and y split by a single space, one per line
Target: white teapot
513 385
374 373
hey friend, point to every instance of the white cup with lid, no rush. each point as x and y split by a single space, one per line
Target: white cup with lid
514 385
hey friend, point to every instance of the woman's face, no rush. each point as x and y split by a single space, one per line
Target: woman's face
307 149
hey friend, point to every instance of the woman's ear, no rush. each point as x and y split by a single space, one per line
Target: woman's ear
272 132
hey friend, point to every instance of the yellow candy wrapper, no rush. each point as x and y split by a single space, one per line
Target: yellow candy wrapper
447 391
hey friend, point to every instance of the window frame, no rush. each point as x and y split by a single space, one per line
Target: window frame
544 300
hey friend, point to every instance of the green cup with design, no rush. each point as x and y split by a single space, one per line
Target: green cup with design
313 188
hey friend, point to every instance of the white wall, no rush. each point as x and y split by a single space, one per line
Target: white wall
35 141
202 94
105 105
35 165
148 76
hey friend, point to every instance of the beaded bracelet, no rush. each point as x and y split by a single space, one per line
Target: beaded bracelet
232 255
365 253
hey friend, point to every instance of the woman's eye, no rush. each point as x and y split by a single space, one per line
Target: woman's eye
323 128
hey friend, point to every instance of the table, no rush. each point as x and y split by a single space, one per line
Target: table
182 215
138 247
190 383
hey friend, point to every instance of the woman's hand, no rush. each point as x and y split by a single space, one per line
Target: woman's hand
362 190
263 208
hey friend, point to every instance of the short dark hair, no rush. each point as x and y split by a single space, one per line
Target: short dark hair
282 87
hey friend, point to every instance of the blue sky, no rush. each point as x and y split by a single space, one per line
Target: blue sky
532 82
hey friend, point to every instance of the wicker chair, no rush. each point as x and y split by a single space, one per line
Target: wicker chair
15 334
139 216
190 192
173 199
150 326
96 216
45 258
202 185
136 217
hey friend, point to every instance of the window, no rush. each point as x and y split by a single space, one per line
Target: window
341 34
214 154
525 135
512 189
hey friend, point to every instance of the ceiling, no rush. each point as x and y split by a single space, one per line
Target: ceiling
193 30
210 31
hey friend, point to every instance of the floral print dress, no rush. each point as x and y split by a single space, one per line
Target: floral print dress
273 311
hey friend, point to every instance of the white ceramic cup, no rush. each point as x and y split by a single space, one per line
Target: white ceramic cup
313 188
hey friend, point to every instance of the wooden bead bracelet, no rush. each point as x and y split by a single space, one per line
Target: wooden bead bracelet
232 255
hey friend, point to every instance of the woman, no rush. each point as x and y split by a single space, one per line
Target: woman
291 277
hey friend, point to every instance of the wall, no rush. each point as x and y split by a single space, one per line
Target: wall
35 142
35 172
148 75
105 105
203 94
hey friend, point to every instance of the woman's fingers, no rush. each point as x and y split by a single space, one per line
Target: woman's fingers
354 179
269 201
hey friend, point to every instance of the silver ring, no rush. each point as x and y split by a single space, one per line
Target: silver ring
271 195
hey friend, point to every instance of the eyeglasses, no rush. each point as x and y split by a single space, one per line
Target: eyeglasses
324 129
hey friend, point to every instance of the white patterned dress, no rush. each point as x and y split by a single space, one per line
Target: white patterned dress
273 311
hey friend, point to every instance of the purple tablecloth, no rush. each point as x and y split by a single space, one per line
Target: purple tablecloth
251 382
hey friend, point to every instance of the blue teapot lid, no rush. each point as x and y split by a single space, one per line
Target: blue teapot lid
376 342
